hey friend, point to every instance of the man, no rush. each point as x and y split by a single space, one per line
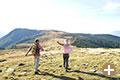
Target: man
35 48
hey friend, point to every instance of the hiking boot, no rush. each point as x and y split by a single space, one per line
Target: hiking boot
36 73
68 68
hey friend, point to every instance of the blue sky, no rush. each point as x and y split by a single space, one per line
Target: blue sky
77 16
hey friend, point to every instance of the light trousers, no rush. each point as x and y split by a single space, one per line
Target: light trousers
36 62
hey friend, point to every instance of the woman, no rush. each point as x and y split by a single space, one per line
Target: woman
35 48
67 49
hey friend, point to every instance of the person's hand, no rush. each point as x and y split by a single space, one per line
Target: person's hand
26 54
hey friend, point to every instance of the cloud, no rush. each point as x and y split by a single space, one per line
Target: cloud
111 6
44 14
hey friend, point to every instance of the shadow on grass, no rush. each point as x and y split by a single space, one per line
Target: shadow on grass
3 60
59 77
96 74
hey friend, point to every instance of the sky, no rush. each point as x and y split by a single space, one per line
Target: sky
75 16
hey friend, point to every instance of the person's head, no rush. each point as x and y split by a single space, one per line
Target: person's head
37 41
67 41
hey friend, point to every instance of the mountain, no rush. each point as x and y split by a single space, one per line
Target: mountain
1 48
117 33
19 37
103 36
15 35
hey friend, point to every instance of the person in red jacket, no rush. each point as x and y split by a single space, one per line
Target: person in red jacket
36 55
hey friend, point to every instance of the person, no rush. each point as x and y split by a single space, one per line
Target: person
67 49
35 48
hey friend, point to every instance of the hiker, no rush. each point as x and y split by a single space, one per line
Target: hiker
35 48
67 49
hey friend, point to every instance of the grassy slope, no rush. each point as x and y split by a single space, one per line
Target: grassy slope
49 66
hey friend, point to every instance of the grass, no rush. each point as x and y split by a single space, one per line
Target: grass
49 66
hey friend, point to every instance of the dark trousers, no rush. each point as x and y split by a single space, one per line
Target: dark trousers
65 60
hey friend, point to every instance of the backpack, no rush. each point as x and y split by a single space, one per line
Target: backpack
35 49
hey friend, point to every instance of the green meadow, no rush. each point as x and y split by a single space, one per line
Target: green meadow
81 61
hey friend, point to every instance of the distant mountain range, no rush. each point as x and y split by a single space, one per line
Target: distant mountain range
27 36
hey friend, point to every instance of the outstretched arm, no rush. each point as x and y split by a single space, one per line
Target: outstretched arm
28 51
74 41
60 43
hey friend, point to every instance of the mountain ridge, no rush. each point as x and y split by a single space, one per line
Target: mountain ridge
22 35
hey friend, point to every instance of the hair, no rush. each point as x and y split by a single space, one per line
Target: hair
36 40
67 41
